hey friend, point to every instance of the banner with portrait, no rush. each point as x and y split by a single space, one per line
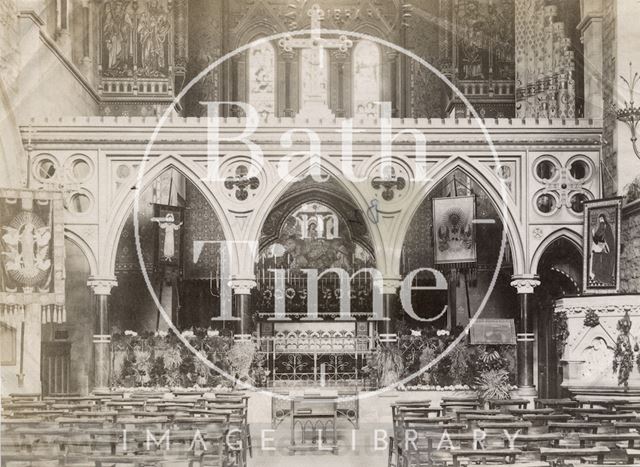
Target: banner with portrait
453 230
601 243
32 253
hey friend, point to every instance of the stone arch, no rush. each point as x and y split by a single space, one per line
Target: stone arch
123 205
489 183
326 168
566 233
86 249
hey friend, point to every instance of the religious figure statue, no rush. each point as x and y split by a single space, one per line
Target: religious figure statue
169 226
603 254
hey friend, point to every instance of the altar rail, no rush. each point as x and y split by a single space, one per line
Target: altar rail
319 360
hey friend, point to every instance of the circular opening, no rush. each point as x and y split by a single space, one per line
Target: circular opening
579 170
79 203
576 202
546 170
46 169
81 169
546 203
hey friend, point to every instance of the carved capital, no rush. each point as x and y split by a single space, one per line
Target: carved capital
102 285
242 286
525 284
390 285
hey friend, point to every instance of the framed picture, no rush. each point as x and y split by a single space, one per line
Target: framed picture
453 229
493 332
601 243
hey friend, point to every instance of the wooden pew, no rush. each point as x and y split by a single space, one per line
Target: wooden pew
573 426
509 426
555 403
588 439
574 453
506 403
483 454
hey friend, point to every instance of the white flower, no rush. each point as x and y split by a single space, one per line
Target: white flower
415 332
161 333
442 332
131 333
187 333
213 332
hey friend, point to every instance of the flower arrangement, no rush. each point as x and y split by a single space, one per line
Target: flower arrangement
623 355
159 360
591 318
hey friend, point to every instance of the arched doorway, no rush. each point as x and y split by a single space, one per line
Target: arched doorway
318 332
175 219
560 272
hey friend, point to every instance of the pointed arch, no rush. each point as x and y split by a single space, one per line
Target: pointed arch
564 233
327 168
123 204
489 183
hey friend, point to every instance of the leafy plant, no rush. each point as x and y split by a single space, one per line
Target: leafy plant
241 357
633 190
560 331
388 365
623 357
493 384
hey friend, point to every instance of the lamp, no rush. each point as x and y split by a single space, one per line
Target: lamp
630 114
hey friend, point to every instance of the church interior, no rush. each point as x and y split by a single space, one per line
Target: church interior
321 220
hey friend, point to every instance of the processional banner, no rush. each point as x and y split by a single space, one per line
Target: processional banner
31 254
453 230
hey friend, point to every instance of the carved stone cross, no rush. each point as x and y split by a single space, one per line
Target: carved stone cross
343 43
314 97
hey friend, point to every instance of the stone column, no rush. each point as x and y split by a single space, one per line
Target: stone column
242 306
102 333
525 337
590 28
389 298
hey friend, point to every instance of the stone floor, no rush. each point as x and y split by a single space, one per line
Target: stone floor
356 447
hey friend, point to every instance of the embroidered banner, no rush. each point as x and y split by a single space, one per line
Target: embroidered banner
453 230
32 253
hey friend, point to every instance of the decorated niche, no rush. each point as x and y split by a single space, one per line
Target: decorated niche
367 79
317 236
314 236
261 79
136 47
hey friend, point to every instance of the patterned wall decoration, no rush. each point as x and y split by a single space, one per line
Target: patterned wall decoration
545 68
200 223
136 49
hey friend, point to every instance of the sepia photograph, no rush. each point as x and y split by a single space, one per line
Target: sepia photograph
337 233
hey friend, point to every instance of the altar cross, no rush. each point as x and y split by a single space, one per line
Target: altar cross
288 43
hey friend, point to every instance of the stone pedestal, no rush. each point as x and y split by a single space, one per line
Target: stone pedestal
588 351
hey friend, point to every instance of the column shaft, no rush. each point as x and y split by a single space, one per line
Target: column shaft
525 339
101 343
